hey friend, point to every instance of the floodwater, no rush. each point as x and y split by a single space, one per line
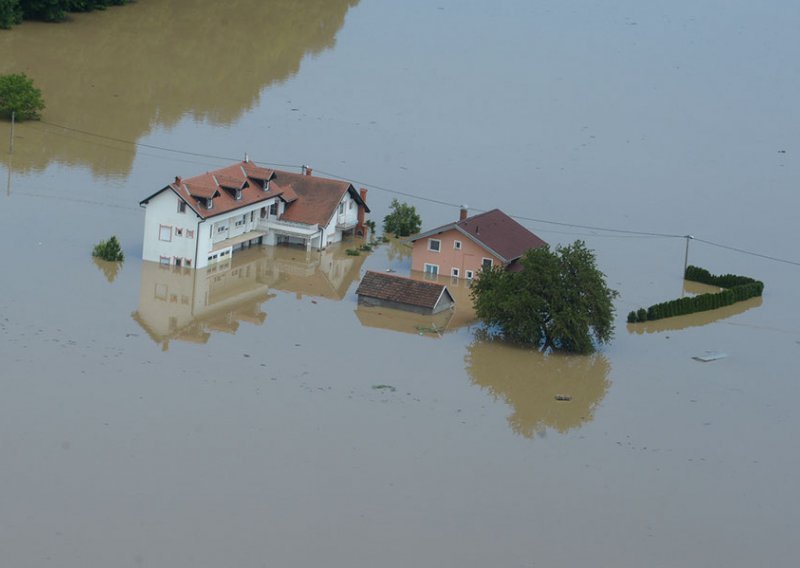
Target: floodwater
257 416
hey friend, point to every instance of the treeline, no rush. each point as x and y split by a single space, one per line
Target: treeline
738 289
14 11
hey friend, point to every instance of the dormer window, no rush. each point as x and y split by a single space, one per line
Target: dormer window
209 203
266 185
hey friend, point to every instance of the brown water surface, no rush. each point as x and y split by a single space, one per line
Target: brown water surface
253 414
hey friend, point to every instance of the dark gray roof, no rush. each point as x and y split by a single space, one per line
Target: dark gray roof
400 289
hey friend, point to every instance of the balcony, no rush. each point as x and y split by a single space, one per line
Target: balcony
288 228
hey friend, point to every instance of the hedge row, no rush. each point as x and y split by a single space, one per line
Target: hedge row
739 288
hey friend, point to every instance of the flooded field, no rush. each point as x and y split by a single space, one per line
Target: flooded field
253 414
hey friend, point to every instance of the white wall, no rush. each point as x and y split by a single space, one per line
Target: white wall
162 211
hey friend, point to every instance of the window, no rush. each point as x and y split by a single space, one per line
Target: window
178 232
181 206
455 272
434 244
263 212
188 262
470 274
163 260
189 233
341 208
457 245
165 233
351 205
252 216
273 209
221 228
178 261
487 263
431 269
160 292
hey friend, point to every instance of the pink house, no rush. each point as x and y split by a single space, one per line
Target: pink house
462 248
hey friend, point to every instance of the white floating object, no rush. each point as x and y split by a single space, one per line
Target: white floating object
710 356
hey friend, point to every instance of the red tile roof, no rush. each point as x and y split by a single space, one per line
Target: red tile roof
310 199
501 234
400 289
494 231
317 198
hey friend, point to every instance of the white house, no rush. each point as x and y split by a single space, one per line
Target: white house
201 220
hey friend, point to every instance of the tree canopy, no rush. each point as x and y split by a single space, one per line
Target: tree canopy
403 220
19 95
558 299
13 11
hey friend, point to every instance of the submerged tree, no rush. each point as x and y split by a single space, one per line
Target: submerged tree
403 220
559 299
18 95
109 250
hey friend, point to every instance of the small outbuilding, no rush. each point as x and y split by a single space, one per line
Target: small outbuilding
390 291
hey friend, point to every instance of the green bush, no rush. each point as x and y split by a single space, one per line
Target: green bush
352 252
738 288
109 250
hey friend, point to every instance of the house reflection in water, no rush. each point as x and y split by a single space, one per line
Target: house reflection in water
190 305
529 383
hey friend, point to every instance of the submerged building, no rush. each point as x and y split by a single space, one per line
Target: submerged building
202 220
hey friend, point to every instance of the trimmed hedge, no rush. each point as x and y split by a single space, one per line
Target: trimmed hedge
738 288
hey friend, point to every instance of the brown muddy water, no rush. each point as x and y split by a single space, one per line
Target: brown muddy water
256 416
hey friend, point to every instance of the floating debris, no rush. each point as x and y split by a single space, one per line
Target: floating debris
389 388
563 397
710 356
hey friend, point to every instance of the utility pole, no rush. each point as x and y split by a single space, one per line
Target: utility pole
11 141
686 256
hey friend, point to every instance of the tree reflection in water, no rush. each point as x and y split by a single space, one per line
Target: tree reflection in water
123 73
529 382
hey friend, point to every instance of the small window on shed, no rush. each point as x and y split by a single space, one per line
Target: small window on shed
457 245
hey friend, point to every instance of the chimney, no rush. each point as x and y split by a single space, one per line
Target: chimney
463 213
178 181
246 157
360 225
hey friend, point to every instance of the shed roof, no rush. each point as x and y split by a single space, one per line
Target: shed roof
402 290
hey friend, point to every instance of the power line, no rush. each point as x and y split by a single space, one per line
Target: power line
618 232
162 148
751 253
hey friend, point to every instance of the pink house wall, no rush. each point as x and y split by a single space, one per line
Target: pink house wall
470 257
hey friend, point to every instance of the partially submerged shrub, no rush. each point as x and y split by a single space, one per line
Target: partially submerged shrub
109 250
738 288
352 252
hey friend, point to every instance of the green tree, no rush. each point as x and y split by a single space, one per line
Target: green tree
109 250
19 95
559 299
403 220
10 13
47 10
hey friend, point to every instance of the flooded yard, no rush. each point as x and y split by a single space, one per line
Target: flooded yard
253 414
